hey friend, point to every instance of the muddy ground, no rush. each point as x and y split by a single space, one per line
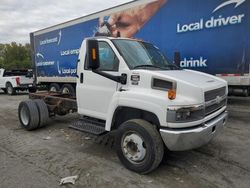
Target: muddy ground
41 158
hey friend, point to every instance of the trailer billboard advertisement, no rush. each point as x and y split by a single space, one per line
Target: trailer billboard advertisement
212 36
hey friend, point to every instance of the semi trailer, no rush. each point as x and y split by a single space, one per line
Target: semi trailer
211 36
128 87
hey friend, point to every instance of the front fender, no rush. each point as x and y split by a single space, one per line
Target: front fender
139 100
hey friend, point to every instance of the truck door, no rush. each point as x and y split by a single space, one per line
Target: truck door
95 92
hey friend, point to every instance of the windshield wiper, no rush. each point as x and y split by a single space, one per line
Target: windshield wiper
141 66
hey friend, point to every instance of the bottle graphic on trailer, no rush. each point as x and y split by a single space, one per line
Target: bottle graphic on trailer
104 29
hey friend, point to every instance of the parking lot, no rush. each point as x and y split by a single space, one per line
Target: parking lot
41 158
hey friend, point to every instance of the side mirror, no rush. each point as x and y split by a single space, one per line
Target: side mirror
93 54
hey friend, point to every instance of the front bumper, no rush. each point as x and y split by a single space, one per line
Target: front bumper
190 138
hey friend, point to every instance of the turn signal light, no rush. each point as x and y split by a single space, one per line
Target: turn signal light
93 53
171 94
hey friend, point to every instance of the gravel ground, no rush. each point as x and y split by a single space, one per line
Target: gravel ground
41 158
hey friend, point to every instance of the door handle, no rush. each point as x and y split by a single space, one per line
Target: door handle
81 78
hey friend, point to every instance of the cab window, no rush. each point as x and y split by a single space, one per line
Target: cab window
108 59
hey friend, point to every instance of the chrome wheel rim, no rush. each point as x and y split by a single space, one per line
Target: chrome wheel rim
133 147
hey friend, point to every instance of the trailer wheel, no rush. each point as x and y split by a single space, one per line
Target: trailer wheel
10 90
68 89
54 87
139 146
43 112
28 115
246 92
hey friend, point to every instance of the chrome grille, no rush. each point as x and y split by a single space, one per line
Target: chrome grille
214 107
211 95
214 100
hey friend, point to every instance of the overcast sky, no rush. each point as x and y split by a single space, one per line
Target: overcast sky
20 17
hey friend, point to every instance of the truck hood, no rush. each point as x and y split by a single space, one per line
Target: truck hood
190 85
194 78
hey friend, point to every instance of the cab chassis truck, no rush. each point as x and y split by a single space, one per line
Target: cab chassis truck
128 86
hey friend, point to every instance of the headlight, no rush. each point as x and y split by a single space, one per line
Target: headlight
182 114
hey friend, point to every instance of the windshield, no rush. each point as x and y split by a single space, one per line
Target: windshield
141 55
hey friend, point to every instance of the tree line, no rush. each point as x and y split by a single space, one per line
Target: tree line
15 56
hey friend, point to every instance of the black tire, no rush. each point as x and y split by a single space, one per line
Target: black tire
43 112
152 145
10 90
54 87
28 115
68 89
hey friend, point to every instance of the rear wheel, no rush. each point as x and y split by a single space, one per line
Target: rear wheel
139 146
54 87
10 90
43 112
28 115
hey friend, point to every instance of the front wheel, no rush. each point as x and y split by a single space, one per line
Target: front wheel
139 146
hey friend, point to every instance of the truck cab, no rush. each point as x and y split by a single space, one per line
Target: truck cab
131 79
128 87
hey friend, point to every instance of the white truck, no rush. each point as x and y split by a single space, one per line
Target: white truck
14 80
129 87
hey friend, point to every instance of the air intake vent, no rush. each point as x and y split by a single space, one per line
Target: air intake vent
162 84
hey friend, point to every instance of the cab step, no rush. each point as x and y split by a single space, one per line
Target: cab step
92 126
